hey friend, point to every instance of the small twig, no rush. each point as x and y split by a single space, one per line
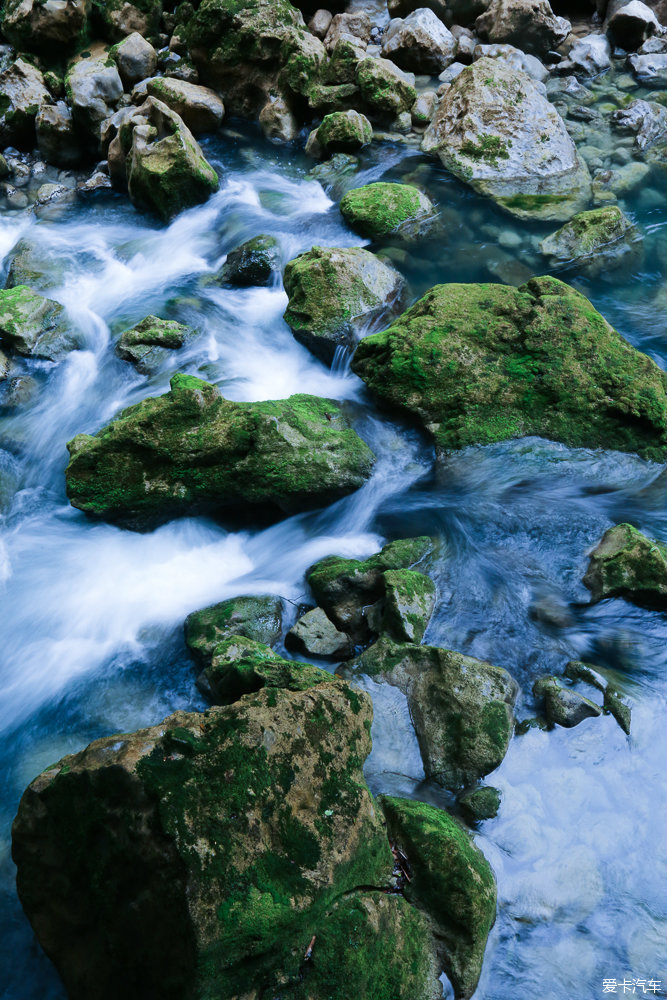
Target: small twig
309 949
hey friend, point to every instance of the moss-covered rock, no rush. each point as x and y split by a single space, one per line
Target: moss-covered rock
409 600
241 666
148 343
480 803
564 706
30 263
384 88
335 295
256 617
483 363
255 262
192 450
348 588
344 132
316 635
628 564
200 107
381 210
451 880
201 857
594 241
461 707
35 326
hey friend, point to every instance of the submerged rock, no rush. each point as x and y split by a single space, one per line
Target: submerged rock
316 635
148 343
192 450
451 880
381 210
461 707
35 326
630 565
255 262
562 705
595 241
483 363
494 130
337 295
257 618
347 589
202 856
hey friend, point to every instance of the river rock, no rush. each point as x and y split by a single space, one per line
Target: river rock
48 26
514 58
35 326
31 264
344 132
320 22
118 18
200 107
594 242
562 705
203 855
651 70
316 635
336 295
483 363
630 24
381 210
480 803
57 139
646 120
590 55
409 602
278 121
495 130
22 93
529 24
255 262
135 58
254 617
94 88
352 25
149 343
451 880
348 589
166 169
420 43
240 666
461 707
385 88
191 450
628 564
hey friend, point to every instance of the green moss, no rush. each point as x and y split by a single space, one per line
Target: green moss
409 603
381 209
488 148
531 202
628 564
596 232
241 666
383 89
480 804
257 618
344 132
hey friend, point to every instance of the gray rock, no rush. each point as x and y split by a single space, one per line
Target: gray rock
22 93
148 343
255 262
316 635
651 69
423 109
515 58
595 242
450 74
528 24
200 108
420 43
630 24
344 132
590 56
57 140
48 26
354 26
255 617
385 88
320 23
496 131
562 705
135 58
646 120
409 603
94 88
278 121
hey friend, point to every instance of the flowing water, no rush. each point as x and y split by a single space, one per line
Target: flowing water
91 632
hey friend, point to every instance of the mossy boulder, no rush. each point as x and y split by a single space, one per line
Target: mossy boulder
381 210
563 706
595 242
482 363
451 880
409 600
480 803
385 89
344 132
35 326
336 295
316 635
199 107
43 27
191 451
461 708
259 618
241 666
255 262
205 856
348 589
628 564
149 343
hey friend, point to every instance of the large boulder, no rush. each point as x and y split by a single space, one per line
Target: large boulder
630 24
94 88
336 295
384 88
483 363
595 242
35 326
22 94
254 617
192 450
461 707
57 139
45 26
529 24
420 43
494 130
381 211
214 854
200 107
451 880
118 18
628 564
135 58
148 344
344 132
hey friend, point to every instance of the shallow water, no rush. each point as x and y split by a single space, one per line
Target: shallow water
91 631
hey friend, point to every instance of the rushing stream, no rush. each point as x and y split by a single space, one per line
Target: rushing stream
91 631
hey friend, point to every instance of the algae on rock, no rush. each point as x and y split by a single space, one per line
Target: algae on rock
241 666
380 210
626 563
255 617
596 241
35 326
